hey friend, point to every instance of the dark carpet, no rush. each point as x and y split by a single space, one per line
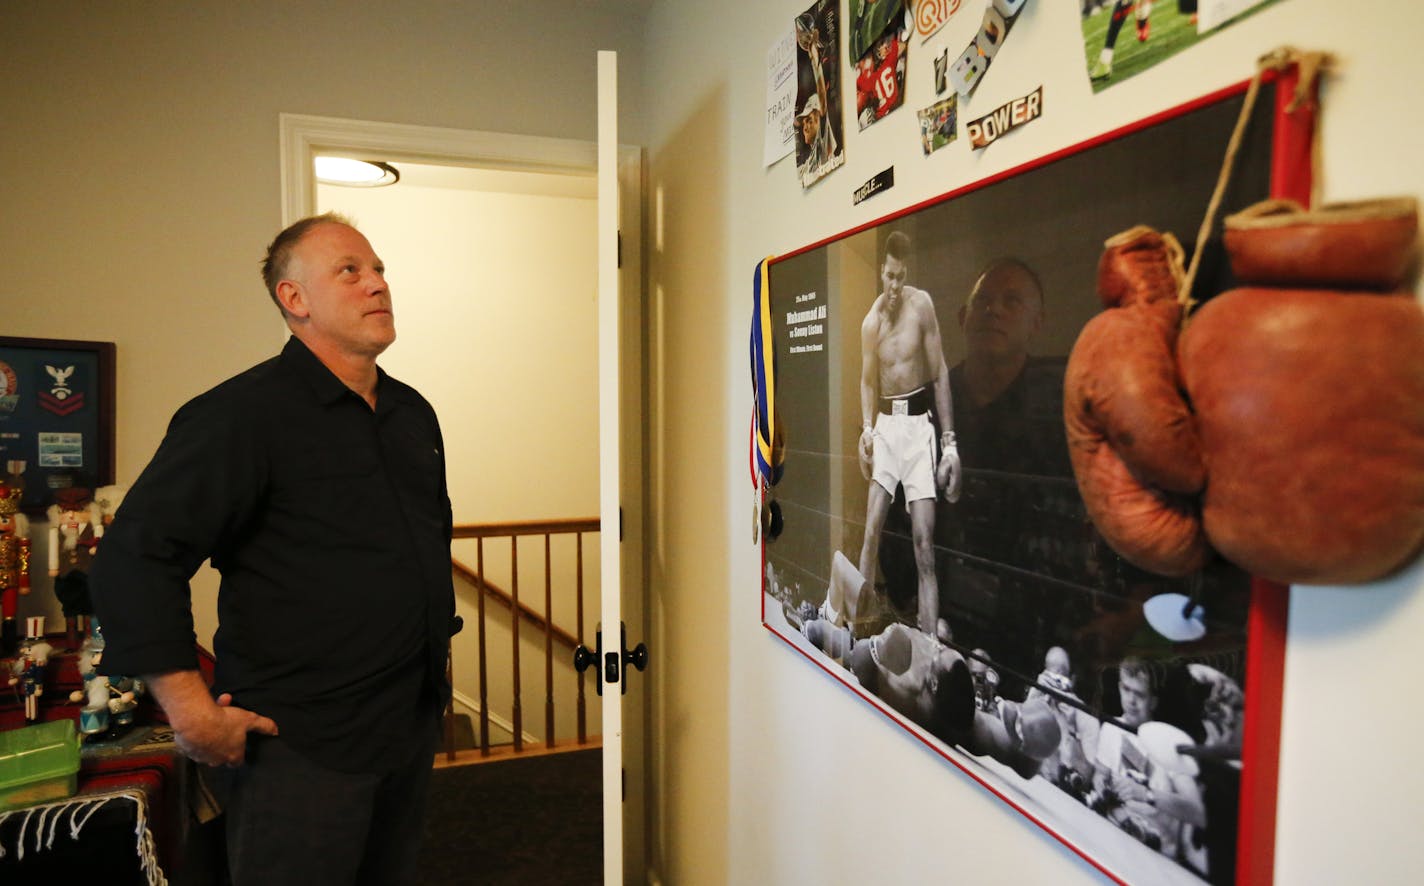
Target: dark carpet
528 821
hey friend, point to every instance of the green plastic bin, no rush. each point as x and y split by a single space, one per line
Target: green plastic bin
38 764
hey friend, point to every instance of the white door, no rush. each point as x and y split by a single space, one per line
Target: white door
610 666
620 485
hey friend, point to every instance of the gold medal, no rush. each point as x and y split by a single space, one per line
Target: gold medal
756 514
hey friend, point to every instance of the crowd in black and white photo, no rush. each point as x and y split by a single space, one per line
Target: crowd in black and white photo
1151 749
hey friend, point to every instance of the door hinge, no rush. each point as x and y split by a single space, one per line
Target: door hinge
620 249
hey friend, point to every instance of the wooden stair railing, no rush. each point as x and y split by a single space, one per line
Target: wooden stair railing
505 599
518 612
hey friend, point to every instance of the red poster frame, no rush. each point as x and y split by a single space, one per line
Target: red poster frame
1267 619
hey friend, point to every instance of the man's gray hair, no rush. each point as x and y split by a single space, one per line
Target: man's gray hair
279 252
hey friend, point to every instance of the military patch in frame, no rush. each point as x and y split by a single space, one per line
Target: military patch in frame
56 415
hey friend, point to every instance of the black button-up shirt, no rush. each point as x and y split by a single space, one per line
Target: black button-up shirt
330 524
1019 431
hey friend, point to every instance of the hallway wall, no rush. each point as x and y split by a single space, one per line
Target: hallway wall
768 772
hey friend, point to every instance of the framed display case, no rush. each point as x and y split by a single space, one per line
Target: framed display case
56 416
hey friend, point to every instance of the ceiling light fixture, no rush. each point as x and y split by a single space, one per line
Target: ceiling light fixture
355 173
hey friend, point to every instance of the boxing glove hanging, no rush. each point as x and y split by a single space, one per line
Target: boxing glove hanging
1131 438
1302 426
1308 389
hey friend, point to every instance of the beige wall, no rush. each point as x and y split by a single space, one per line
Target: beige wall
140 158
767 771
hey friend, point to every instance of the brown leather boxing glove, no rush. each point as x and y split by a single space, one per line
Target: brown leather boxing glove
1310 403
1363 245
1131 437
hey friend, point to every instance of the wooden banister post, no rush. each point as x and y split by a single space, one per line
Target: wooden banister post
450 705
578 676
548 645
514 592
484 673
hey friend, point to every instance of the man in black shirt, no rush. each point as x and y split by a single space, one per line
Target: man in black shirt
1008 405
1008 417
316 484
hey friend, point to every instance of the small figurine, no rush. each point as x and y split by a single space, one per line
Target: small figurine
14 562
76 524
109 700
94 716
108 498
28 671
123 701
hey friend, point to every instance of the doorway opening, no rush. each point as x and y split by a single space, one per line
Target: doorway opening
490 245
492 276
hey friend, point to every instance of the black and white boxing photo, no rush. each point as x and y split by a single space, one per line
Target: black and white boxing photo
938 556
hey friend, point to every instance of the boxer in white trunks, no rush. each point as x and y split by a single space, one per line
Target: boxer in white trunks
903 378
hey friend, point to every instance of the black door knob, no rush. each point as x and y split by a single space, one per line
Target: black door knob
637 656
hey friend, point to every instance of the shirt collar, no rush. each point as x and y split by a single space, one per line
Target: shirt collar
323 383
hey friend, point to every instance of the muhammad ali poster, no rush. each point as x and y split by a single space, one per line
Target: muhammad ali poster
936 555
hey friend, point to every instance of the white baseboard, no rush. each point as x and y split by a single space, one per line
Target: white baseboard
474 707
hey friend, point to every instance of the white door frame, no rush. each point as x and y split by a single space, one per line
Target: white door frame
304 136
